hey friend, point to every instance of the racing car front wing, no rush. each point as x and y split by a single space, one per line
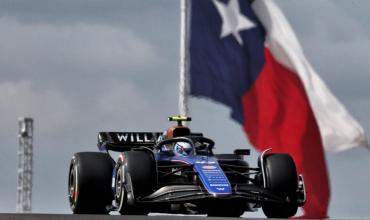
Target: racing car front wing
192 193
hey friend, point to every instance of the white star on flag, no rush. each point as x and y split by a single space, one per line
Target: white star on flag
232 20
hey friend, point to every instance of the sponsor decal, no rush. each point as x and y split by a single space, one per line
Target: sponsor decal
127 138
219 184
213 178
205 162
134 137
209 167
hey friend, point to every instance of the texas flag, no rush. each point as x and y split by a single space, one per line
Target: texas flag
245 55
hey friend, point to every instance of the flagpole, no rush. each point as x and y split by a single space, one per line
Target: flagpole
184 59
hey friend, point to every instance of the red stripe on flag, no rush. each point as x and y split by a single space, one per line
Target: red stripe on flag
278 114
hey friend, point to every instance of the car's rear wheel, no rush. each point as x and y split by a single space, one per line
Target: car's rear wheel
89 184
136 177
281 180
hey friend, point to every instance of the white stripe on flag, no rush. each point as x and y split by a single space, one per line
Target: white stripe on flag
339 130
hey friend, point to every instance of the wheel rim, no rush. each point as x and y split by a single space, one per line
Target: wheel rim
73 187
118 184
120 190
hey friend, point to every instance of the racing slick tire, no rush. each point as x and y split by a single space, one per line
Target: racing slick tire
89 185
281 180
136 177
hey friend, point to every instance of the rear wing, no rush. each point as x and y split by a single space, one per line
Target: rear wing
124 141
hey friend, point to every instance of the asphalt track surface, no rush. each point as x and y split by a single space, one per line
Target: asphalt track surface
104 217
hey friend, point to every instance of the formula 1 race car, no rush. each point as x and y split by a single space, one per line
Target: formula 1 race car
177 172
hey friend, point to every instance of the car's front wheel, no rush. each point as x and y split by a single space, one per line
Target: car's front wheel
281 180
135 177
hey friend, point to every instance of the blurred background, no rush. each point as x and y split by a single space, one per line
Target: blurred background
78 67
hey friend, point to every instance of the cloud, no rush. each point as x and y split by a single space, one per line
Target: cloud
50 108
66 12
76 50
82 62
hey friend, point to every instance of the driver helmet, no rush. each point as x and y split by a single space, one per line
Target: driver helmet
182 149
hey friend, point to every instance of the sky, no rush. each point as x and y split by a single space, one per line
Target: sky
79 67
